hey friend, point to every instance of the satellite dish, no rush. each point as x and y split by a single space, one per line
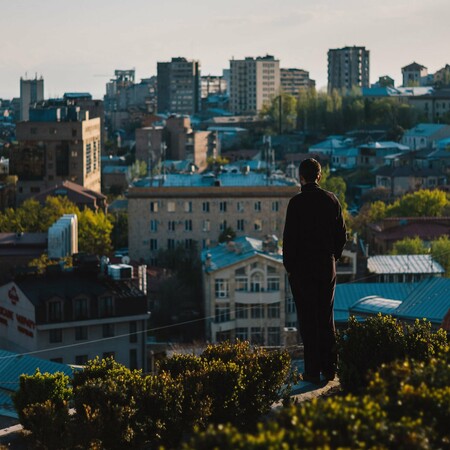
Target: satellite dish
126 259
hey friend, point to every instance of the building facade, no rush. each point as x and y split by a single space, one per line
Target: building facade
294 81
71 317
348 67
247 296
414 75
178 86
253 82
188 208
57 144
31 91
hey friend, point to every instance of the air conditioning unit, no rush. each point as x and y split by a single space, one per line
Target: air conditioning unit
120 271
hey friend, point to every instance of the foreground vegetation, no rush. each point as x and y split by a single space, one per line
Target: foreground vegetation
396 395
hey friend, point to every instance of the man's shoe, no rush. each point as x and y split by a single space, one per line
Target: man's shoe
314 379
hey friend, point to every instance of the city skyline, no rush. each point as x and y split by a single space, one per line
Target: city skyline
77 47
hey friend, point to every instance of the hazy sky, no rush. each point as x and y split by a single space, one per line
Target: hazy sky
77 45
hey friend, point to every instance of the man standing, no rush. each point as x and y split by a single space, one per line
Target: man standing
314 237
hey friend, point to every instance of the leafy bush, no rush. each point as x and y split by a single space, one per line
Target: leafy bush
42 405
364 346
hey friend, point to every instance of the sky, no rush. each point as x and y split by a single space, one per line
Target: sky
76 46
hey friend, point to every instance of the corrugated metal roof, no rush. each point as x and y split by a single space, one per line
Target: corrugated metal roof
347 294
12 365
401 264
430 300
235 251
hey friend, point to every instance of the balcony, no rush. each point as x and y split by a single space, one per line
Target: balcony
262 297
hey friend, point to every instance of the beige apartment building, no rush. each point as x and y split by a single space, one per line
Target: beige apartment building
253 82
293 81
52 151
187 208
247 296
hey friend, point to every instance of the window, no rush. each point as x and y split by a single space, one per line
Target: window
81 360
273 283
55 336
81 309
153 226
222 313
256 282
241 284
242 334
257 225
257 206
88 159
108 330
221 288
241 311
240 206
188 225
257 311
205 207
256 335
81 333
273 311
153 244
188 244
240 225
133 331
133 359
54 311
206 225
273 336
187 206
105 306
153 206
223 206
170 206
275 206
223 225
290 305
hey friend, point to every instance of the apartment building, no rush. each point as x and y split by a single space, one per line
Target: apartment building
71 317
294 81
31 91
348 67
185 208
246 292
58 143
178 86
253 82
414 74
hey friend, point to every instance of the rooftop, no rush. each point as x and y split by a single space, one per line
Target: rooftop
398 264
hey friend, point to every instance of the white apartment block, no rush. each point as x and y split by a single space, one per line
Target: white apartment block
253 82
247 295
187 208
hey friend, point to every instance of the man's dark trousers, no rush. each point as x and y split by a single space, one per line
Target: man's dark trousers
313 283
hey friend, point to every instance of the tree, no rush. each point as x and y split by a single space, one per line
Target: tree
423 203
440 250
286 104
94 232
227 235
409 246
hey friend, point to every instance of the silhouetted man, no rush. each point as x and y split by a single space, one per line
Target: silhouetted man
314 237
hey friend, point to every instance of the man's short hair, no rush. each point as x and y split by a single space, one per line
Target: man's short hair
310 169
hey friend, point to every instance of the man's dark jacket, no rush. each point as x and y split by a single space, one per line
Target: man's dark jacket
314 225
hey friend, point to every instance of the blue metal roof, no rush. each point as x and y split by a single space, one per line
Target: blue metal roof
400 264
430 300
347 294
240 249
424 129
250 179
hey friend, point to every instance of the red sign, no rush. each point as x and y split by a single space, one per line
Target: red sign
13 295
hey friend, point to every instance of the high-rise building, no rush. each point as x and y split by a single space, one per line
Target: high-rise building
253 82
31 91
59 142
295 80
348 67
178 86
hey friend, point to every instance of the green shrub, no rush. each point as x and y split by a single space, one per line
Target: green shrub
40 388
364 346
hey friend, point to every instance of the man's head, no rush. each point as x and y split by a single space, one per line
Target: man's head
310 171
